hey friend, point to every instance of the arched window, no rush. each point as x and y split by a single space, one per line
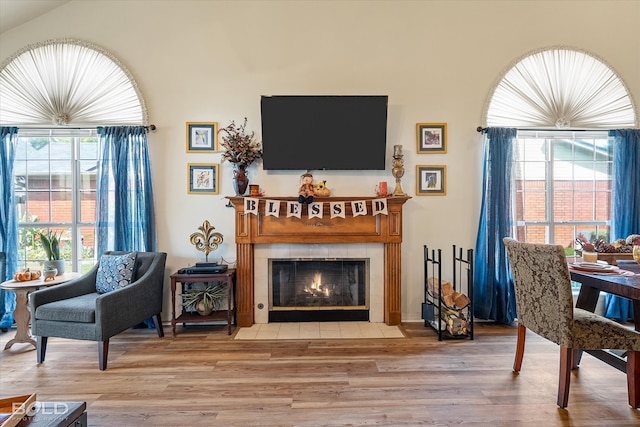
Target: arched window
57 93
549 162
563 102
560 88
68 83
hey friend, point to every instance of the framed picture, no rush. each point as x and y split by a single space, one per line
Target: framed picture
431 137
203 178
431 180
202 136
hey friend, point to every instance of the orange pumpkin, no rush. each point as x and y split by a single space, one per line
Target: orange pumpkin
25 275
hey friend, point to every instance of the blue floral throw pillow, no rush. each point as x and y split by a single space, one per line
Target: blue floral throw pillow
114 272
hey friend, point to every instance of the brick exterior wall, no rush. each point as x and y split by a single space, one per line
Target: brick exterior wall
573 200
61 206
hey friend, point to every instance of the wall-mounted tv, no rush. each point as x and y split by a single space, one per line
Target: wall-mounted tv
324 132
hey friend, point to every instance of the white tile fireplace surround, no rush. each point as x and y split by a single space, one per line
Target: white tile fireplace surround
373 251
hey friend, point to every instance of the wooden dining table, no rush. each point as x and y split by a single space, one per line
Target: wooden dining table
627 286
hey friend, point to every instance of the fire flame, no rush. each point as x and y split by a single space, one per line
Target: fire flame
317 281
317 287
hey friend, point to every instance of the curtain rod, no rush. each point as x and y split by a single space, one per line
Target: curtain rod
480 129
150 128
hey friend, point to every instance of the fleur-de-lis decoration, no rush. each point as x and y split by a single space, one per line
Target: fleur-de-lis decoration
206 240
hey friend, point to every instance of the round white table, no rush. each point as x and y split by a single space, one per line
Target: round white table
21 313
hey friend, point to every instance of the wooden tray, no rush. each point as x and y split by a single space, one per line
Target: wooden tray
613 257
610 258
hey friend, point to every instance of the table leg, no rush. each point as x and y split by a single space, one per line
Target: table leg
633 378
173 307
588 298
22 317
229 296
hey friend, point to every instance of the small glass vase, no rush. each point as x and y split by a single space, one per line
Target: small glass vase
240 179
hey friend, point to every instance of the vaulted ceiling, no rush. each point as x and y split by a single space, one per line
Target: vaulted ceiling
17 12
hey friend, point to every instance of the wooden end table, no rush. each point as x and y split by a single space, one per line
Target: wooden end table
228 277
21 314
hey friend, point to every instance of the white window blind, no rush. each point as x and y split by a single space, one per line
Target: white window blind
560 88
68 82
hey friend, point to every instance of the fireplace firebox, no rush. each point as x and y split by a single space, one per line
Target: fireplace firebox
318 289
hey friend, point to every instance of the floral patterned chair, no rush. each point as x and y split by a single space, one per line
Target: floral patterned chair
545 306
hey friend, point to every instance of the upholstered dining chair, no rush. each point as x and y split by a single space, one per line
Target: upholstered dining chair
545 306
121 291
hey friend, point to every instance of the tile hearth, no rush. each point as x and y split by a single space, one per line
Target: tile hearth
318 330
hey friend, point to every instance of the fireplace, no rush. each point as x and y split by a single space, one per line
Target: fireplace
318 289
260 232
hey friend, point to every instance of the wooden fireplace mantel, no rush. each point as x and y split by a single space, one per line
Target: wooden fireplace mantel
253 229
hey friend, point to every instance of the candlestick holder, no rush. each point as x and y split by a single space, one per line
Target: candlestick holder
398 169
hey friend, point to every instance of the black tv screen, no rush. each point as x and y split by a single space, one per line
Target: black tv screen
324 132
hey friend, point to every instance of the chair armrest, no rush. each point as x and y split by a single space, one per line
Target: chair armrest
85 284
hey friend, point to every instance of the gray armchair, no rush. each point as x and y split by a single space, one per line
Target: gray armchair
545 307
75 310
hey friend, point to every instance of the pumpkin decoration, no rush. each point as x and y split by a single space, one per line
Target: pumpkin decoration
322 190
26 275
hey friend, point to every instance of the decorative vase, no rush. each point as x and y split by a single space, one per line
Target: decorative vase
57 264
240 179
203 309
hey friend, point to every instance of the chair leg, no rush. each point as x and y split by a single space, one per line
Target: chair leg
522 334
103 351
633 378
566 363
41 348
157 321
577 357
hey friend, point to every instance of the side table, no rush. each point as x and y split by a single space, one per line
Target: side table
21 313
229 277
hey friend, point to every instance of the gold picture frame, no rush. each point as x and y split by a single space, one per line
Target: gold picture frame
203 178
431 138
431 180
202 137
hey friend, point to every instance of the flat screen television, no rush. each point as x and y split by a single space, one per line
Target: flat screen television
324 132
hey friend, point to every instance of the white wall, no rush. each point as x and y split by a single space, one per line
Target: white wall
437 61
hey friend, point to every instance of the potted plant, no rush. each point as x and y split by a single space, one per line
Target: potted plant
204 300
51 244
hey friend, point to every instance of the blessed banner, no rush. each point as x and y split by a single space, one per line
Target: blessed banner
315 210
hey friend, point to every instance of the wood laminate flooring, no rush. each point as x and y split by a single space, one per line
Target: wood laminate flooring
204 377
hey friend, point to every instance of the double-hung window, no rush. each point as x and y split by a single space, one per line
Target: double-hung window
55 190
562 186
